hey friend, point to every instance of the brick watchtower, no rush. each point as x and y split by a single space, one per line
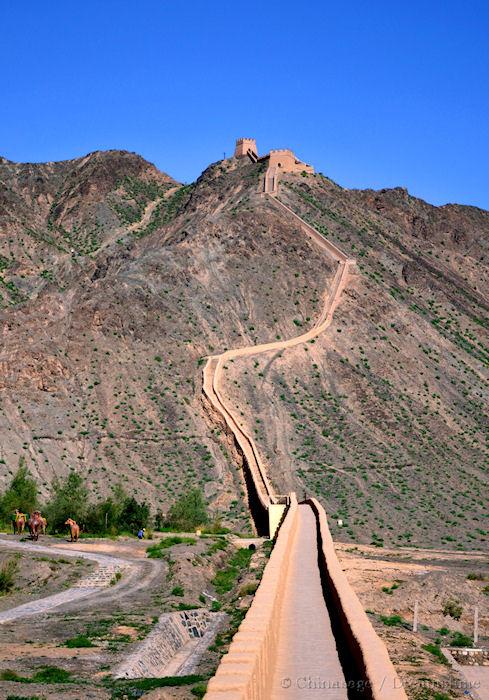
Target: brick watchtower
245 147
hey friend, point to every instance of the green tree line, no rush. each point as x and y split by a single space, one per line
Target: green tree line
116 514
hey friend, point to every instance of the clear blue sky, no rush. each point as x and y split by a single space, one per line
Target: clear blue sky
374 94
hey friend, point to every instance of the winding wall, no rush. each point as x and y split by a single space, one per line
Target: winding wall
305 617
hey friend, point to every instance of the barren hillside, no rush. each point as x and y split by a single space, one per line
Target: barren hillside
116 281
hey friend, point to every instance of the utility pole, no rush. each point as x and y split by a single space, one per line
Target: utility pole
415 618
476 625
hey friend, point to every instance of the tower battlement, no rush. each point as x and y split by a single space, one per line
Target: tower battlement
243 146
287 161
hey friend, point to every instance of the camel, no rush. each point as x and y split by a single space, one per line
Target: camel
19 522
35 524
74 529
44 525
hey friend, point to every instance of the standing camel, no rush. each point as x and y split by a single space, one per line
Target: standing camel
74 529
19 522
35 524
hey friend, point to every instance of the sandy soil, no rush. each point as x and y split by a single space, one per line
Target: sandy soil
432 578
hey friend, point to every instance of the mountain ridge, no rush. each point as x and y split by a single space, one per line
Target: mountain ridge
117 284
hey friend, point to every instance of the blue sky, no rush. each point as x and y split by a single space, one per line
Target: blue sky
374 94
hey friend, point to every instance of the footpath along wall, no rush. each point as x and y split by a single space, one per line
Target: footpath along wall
247 671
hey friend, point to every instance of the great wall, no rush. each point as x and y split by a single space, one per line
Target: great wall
306 630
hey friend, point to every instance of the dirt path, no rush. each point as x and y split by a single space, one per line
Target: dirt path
102 583
150 208
146 217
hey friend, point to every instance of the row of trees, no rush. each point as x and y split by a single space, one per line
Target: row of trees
116 514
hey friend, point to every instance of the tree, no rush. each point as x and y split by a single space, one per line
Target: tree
134 515
119 512
159 520
106 515
69 500
21 494
189 511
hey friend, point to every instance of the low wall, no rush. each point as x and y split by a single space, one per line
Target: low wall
257 486
246 671
364 648
336 252
470 657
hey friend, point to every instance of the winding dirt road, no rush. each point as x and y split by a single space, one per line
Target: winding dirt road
136 573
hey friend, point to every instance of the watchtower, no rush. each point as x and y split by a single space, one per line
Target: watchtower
246 147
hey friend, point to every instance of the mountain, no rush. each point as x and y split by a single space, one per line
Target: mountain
116 281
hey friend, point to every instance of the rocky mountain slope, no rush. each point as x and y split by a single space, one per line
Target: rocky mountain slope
116 282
